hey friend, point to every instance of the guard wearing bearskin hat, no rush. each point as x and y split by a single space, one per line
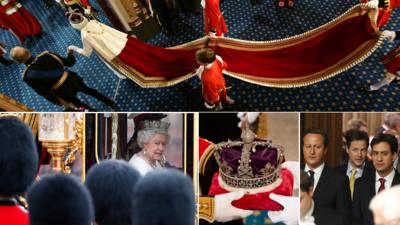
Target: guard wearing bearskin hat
60 200
164 197
18 163
111 184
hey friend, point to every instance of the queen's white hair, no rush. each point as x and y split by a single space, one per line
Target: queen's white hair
388 202
143 136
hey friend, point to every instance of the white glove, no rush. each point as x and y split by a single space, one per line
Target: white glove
294 168
87 11
224 211
373 4
73 48
290 212
251 117
389 35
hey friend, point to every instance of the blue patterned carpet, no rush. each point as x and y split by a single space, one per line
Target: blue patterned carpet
263 22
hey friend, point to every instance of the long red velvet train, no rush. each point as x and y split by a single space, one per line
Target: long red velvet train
296 61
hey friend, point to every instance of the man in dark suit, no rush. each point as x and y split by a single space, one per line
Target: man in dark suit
46 75
331 189
357 165
384 153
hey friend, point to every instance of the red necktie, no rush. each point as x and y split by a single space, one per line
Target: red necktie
382 186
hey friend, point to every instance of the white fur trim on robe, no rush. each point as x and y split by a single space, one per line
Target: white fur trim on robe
141 165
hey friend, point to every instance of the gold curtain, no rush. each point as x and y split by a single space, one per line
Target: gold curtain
32 120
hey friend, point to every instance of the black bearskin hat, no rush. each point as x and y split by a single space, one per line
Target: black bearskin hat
111 184
164 197
60 199
18 157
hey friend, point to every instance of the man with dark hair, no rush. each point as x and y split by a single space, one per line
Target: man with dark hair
356 149
384 153
18 167
212 78
331 189
46 75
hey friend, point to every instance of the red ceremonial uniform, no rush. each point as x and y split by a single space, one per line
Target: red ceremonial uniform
391 61
1 51
213 82
214 20
13 215
84 3
385 11
14 17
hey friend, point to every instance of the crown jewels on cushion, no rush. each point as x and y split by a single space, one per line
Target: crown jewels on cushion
249 163
154 125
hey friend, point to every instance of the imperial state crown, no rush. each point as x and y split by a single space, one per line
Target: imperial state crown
252 165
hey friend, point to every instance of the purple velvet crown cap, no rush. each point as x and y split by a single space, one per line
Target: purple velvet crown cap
263 155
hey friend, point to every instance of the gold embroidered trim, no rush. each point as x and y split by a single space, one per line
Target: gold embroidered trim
206 208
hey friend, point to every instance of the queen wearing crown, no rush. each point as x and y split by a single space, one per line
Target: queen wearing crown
149 142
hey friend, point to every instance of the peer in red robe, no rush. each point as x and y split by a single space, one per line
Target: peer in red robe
385 10
14 17
213 18
212 79
83 6
391 61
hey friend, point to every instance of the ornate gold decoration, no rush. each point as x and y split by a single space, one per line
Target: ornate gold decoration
62 136
76 146
11 105
206 208
57 151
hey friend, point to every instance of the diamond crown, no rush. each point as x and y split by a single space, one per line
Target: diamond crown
250 162
154 125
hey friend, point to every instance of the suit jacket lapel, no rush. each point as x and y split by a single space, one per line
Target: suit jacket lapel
396 178
371 181
321 182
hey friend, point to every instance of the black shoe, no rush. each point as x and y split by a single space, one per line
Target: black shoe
366 88
38 36
7 62
48 4
111 103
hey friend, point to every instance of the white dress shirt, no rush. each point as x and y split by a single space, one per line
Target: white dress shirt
359 171
388 180
317 173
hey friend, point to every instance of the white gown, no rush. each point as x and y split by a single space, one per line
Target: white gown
107 42
142 165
